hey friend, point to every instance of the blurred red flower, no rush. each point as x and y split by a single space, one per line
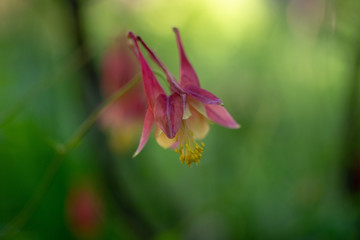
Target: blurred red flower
83 211
123 119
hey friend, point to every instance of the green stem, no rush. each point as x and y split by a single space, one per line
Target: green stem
86 125
62 149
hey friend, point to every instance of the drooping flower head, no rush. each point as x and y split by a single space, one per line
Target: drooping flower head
189 114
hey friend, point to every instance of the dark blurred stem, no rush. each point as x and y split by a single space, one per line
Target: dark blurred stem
352 138
125 208
352 130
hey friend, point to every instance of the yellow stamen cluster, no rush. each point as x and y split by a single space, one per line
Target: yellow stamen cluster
190 151
190 154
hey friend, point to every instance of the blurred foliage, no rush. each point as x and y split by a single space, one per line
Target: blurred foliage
282 69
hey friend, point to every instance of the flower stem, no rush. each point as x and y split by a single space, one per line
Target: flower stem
86 125
15 225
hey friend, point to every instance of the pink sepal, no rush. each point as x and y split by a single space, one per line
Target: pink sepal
148 123
187 72
219 115
151 85
202 95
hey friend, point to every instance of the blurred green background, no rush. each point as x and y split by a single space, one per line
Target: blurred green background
287 70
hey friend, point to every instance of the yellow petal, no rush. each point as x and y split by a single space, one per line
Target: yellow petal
164 141
198 124
157 131
198 106
187 112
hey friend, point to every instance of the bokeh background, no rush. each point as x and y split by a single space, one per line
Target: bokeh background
287 70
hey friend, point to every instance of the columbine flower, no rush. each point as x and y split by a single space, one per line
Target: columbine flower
197 106
122 120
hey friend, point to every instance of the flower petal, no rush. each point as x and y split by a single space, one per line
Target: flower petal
219 115
168 113
174 85
202 95
187 112
148 123
187 72
163 140
151 85
199 106
198 124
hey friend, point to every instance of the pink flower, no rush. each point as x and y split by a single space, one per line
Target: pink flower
123 119
181 118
